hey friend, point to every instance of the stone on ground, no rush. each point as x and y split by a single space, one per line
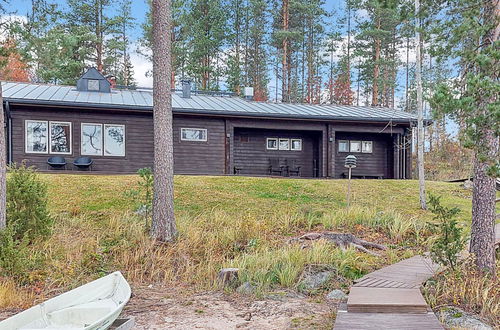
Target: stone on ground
338 295
455 317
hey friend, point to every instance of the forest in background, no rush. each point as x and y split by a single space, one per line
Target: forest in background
287 50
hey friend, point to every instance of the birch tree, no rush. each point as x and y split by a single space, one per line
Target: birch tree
3 166
163 227
420 109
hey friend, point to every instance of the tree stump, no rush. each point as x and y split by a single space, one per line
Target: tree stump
228 276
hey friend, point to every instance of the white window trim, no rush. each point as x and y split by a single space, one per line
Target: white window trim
81 140
26 137
348 145
355 141
367 152
291 145
267 143
124 140
279 143
195 140
70 138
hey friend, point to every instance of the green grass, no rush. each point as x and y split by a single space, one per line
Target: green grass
227 222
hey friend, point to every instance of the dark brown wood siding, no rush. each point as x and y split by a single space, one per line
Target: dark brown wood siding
189 157
252 157
199 157
378 163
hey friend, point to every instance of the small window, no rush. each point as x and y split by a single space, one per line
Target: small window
343 146
296 144
272 144
193 134
367 147
114 140
36 136
91 143
355 146
60 137
93 84
284 144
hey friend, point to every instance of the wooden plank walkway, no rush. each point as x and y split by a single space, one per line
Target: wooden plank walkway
390 298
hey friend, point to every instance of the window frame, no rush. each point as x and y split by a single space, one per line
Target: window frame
70 137
46 152
354 141
104 140
363 149
291 144
279 144
194 140
267 143
93 82
81 140
348 145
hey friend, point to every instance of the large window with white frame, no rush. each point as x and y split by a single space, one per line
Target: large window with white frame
355 146
60 137
114 140
91 139
284 144
367 147
343 146
296 144
36 136
194 134
272 143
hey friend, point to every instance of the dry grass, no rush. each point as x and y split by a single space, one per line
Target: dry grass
468 289
11 295
226 221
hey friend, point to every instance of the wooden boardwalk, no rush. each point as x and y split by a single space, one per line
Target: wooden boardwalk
390 298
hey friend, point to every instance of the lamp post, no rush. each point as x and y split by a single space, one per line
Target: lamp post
350 163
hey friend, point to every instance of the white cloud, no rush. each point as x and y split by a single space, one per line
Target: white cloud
143 68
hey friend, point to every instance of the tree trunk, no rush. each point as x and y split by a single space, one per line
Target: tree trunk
483 208
3 164
163 226
285 65
376 67
484 186
99 36
420 116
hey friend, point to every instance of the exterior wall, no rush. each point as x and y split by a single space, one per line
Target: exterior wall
375 164
189 157
252 157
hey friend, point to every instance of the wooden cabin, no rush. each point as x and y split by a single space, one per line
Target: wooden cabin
213 135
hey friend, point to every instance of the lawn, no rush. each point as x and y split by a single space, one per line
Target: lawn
223 222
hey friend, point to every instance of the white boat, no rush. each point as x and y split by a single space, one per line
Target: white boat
93 306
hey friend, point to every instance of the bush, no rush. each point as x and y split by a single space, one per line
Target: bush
27 211
449 241
13 254
143 195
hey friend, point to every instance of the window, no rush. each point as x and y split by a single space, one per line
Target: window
36 136
91 140
93 85
272 143
60 137
284 144
114 140
355 146
193 134
296 144
343 146
367 147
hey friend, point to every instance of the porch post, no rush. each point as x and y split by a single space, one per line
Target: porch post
331 151
229 142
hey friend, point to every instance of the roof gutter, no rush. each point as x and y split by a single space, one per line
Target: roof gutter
212 112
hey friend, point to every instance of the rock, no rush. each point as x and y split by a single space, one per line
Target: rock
454 317
246 288
338 295
228 276
467 185
312 282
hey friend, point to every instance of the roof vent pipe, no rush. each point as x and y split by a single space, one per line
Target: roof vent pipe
186 88
248 93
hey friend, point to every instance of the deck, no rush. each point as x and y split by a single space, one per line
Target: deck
390 298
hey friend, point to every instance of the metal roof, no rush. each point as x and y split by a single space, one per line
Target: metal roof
29 93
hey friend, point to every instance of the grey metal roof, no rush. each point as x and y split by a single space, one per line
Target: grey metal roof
29 93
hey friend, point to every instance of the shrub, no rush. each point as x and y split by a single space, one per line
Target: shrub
143 196
449 241
13 254
27 211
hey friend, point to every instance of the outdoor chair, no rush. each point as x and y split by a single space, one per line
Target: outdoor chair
292 167
275 166
83 163
56 162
